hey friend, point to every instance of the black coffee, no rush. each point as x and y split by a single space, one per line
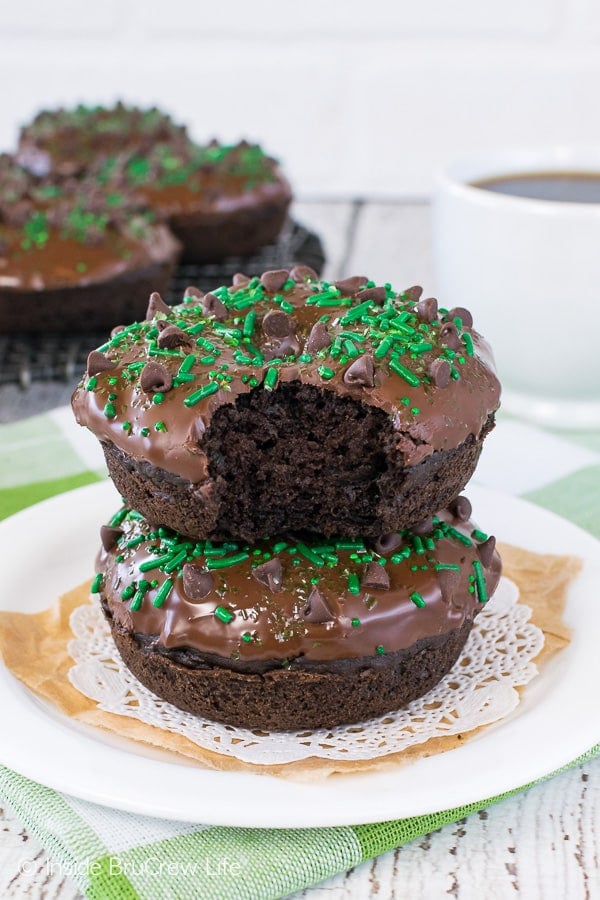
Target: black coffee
561 187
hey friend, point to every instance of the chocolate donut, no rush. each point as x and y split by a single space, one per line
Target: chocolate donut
73 258
286 404
220 200
293 634
69 142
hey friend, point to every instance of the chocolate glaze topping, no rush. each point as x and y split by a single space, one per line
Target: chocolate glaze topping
184 180
277 601
367 342
66 142
60 235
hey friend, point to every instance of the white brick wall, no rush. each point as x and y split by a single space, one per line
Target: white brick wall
354 97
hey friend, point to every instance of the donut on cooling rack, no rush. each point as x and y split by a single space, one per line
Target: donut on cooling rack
73 258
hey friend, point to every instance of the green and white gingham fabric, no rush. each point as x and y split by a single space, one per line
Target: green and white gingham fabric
112 854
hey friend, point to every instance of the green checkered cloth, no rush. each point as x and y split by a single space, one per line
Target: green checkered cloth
112 854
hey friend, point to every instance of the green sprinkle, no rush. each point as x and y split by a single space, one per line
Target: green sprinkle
207 360
163 592
270 379
379 650
480 582
383 348
201 394
227 561
417 600
457 535
279 546
404 373
286 306
349 545
224 614
176 561
155 563
310 555
418 545
325 372
206 345
305 357
468 342
357 312
92 382
160 426
158 397
246 637
118 518
440 566
96 584
145 432
186 365
249 323
128 592
110 411
415 410
479 535
353 583
355 623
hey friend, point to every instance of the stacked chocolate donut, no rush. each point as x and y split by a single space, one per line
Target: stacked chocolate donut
294 550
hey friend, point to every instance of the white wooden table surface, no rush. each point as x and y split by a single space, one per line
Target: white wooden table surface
540 845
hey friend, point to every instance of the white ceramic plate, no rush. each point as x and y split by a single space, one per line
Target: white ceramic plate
50 548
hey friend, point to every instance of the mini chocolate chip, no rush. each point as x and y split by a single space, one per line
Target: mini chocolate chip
449 336
427 309
192 291
274 279
97 362
388 542
352 285
277 324
288 346
361 372
269 573
239 278
109 535
155 379
156 304
318 339
461 508
375 578
196 431
317 610
212 306
377 294
172 337
485 551
463 314
448 581
413 293
196 584
303 273
439 372
424 526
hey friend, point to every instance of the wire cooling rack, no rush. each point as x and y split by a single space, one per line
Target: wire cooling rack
27 358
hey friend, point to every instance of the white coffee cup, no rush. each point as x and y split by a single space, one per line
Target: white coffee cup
529 271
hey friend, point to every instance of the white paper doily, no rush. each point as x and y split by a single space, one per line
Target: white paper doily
479 690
